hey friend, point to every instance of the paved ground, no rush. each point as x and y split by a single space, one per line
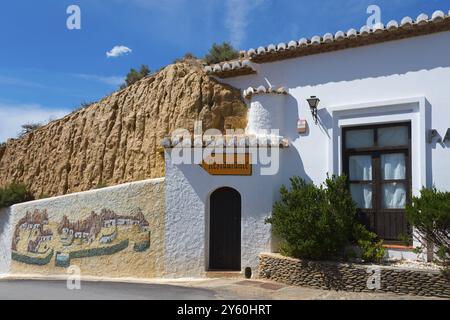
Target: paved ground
57 290
175 290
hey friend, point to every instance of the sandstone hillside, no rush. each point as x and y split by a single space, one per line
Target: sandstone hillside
116 140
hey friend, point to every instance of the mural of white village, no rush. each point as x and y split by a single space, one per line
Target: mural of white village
39 241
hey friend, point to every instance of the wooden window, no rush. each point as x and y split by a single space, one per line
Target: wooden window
377 162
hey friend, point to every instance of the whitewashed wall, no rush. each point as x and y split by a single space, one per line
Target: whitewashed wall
5 241
389 82
188 188
406 80
409 69
265 114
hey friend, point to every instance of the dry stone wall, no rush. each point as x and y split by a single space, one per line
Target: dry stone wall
353 277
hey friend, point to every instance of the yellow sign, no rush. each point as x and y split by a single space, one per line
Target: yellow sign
229 165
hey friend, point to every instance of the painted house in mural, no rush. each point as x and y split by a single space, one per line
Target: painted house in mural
34 220
34 241
108 238
373 104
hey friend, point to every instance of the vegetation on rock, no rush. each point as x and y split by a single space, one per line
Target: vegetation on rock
13 194
2 149
134 76
101 185
186 57
221 52
29 127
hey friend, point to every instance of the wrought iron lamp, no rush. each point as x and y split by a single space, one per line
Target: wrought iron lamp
313 104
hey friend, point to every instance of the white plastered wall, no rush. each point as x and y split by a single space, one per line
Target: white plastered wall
359 86
188 188
5 240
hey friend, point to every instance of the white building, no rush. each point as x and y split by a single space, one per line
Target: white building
108 238
109 223
383 119
124 222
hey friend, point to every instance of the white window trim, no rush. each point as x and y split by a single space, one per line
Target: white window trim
378 112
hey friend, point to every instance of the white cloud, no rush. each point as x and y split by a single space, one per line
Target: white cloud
10 81
12 116
118 51
109 80
237 17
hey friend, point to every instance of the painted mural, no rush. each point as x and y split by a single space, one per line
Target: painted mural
42 242
113 232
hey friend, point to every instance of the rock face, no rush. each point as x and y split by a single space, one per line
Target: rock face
116 140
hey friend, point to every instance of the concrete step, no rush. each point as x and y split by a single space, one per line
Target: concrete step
225 274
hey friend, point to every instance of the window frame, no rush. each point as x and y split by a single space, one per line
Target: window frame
372 217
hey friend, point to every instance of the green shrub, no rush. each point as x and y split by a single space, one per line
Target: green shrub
101 185
2 149
350 254
314 222
28 128
134 76
430 215
187 56
84 104
221 52
406 239
13 194
371 246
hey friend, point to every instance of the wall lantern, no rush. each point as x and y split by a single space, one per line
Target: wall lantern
313 104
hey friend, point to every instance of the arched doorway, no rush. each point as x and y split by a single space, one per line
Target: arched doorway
225 230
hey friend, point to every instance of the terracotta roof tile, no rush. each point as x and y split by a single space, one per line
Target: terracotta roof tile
407 28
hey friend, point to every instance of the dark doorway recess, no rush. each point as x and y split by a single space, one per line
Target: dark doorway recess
225 230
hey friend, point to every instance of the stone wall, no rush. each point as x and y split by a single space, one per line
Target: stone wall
352 277
113 232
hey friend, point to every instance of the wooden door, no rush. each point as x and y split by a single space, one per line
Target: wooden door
225 230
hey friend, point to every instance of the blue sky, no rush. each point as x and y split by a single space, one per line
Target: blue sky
47 70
